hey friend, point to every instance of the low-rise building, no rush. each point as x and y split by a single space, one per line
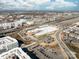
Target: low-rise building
7 43
41 30
72 32
16 53
15 24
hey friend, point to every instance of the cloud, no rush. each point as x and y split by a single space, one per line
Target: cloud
36 4
61 4
16 5
27 4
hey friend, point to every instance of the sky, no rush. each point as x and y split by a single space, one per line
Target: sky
54 5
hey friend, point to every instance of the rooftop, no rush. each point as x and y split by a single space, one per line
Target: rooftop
14 53
43 30
7 40
7 43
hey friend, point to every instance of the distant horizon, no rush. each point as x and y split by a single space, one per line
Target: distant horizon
44 5
36 11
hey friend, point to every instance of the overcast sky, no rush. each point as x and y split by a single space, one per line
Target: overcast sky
40 4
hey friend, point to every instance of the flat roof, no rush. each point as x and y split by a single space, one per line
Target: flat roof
77 23
44 30
13 53
6 41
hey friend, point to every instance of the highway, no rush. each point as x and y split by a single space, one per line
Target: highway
67 23
64 25
63 45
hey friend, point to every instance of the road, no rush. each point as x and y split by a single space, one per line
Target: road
58 36
60 42
63 45
63 25
68 23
